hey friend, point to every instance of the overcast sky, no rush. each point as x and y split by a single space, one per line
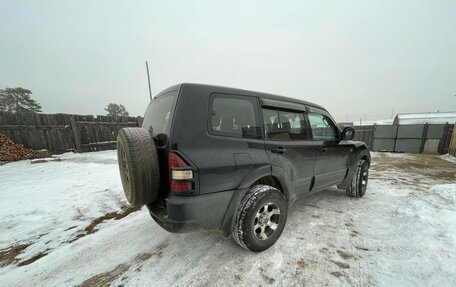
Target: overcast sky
356 58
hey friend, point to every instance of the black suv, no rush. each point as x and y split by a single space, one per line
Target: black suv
233 160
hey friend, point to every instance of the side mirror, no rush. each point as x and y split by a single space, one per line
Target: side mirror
348 133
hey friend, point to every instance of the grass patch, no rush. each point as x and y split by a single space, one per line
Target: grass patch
103 279
9 255
92 227
430 166
344 254
32 259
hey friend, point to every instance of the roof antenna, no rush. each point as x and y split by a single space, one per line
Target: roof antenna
148 80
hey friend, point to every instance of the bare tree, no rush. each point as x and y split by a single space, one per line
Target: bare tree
18 100
116 110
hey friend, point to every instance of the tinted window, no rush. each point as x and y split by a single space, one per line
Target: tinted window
322 127
234 116
284 125
159 113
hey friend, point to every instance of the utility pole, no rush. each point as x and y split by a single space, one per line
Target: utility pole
148 80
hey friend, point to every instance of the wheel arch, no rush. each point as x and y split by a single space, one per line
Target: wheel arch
364 154
259 176
361 153
264 175
273 181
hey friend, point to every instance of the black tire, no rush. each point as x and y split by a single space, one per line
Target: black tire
138 166
358 185
256 200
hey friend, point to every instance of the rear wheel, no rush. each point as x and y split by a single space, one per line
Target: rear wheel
358 185
138 166
261 218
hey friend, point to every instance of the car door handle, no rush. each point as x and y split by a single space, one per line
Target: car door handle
279 150
322 149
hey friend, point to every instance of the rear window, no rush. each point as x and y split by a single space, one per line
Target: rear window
159 114
234 116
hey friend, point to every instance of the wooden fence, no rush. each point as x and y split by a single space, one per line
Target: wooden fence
365 134
62 132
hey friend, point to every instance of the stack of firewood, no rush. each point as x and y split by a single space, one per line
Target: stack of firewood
10 151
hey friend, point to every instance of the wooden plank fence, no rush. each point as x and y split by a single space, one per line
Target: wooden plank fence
452 146
365 134
63 132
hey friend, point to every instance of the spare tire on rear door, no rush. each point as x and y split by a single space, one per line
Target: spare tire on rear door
138 165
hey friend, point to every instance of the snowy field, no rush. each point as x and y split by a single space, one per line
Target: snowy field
66 223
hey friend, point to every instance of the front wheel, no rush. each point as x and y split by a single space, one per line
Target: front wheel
358 185
260 219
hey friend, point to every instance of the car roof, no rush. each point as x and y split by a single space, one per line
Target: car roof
228 90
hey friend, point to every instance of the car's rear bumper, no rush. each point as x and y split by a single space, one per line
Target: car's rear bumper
212 211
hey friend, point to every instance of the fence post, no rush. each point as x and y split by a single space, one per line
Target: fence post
77 140
452 146
424 136
373 137
395 137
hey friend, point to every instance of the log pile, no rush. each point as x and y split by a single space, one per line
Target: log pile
10 151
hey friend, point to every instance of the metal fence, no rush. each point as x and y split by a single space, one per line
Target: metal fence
426 138
63 132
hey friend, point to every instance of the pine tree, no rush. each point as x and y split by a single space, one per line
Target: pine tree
116 110
18 100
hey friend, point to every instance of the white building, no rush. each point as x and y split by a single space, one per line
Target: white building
425 118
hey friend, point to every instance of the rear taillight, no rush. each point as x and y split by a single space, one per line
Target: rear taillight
180 174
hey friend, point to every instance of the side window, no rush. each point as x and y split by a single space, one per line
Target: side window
284 125
272 128
322 127
234 116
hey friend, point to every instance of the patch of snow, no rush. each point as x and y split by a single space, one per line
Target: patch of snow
392 155
53 201
448 157
446 191
371 123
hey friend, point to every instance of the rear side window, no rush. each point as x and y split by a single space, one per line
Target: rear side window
159 114
284 125
234 116
322 127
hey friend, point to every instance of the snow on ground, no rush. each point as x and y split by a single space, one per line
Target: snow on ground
47 204
401 233
448 157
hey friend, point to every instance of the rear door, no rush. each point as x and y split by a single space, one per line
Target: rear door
289 147
331 153
157 120
233 147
